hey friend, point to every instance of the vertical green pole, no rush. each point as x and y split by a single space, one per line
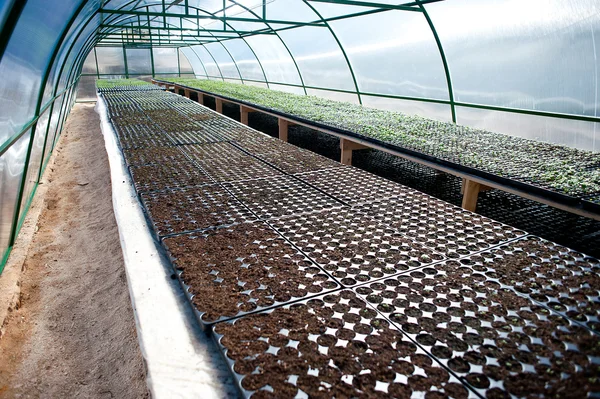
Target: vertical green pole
152 60
178 63
444 61
125 62
97 69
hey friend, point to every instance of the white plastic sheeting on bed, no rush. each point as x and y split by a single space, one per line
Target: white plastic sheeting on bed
182 361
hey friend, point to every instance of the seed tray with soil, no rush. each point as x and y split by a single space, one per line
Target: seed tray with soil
141 136
219 150
156 177
263 144
334 345
192 209
352 247
196 137
297 160
353 186
554 276
236 169
280 196
497 341
153 155
172 121
439 225
244 268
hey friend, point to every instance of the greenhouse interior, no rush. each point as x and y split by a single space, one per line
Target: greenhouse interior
300 199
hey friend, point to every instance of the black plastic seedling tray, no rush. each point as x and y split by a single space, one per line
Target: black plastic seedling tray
562 280
353 186
334 345
278 196
193 209
439 225
499 342
166 176
222 169
241 269
352 247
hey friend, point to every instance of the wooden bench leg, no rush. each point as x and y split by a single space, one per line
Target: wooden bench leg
219 105
470 194
283 129
244 111
200 98
186 93
347 147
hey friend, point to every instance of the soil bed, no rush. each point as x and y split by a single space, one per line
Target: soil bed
243 268
280 196
353 247
489 336
191 209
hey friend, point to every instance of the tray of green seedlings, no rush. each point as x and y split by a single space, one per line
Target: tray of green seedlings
244 268
439 225
331 346
118 85
551 167
353 247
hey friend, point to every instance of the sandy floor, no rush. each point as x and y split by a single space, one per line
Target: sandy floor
74 334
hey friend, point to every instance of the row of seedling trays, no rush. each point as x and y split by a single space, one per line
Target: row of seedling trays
321 280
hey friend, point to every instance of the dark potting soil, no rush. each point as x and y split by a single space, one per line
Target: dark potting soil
331 346
190 209
242 269
439 225
280 195
458 315
353 247
167 176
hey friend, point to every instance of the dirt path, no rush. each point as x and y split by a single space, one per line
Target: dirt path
74 334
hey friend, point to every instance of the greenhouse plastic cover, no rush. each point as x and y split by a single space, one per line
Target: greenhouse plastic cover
182 361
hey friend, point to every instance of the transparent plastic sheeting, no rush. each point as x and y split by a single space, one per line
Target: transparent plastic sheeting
182 361
541 55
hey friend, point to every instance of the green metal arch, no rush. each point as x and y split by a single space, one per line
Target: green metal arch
282 42
443 57
341 48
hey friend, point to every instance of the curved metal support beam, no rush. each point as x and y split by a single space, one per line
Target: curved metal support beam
201 63
282 42
341 48
444 61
